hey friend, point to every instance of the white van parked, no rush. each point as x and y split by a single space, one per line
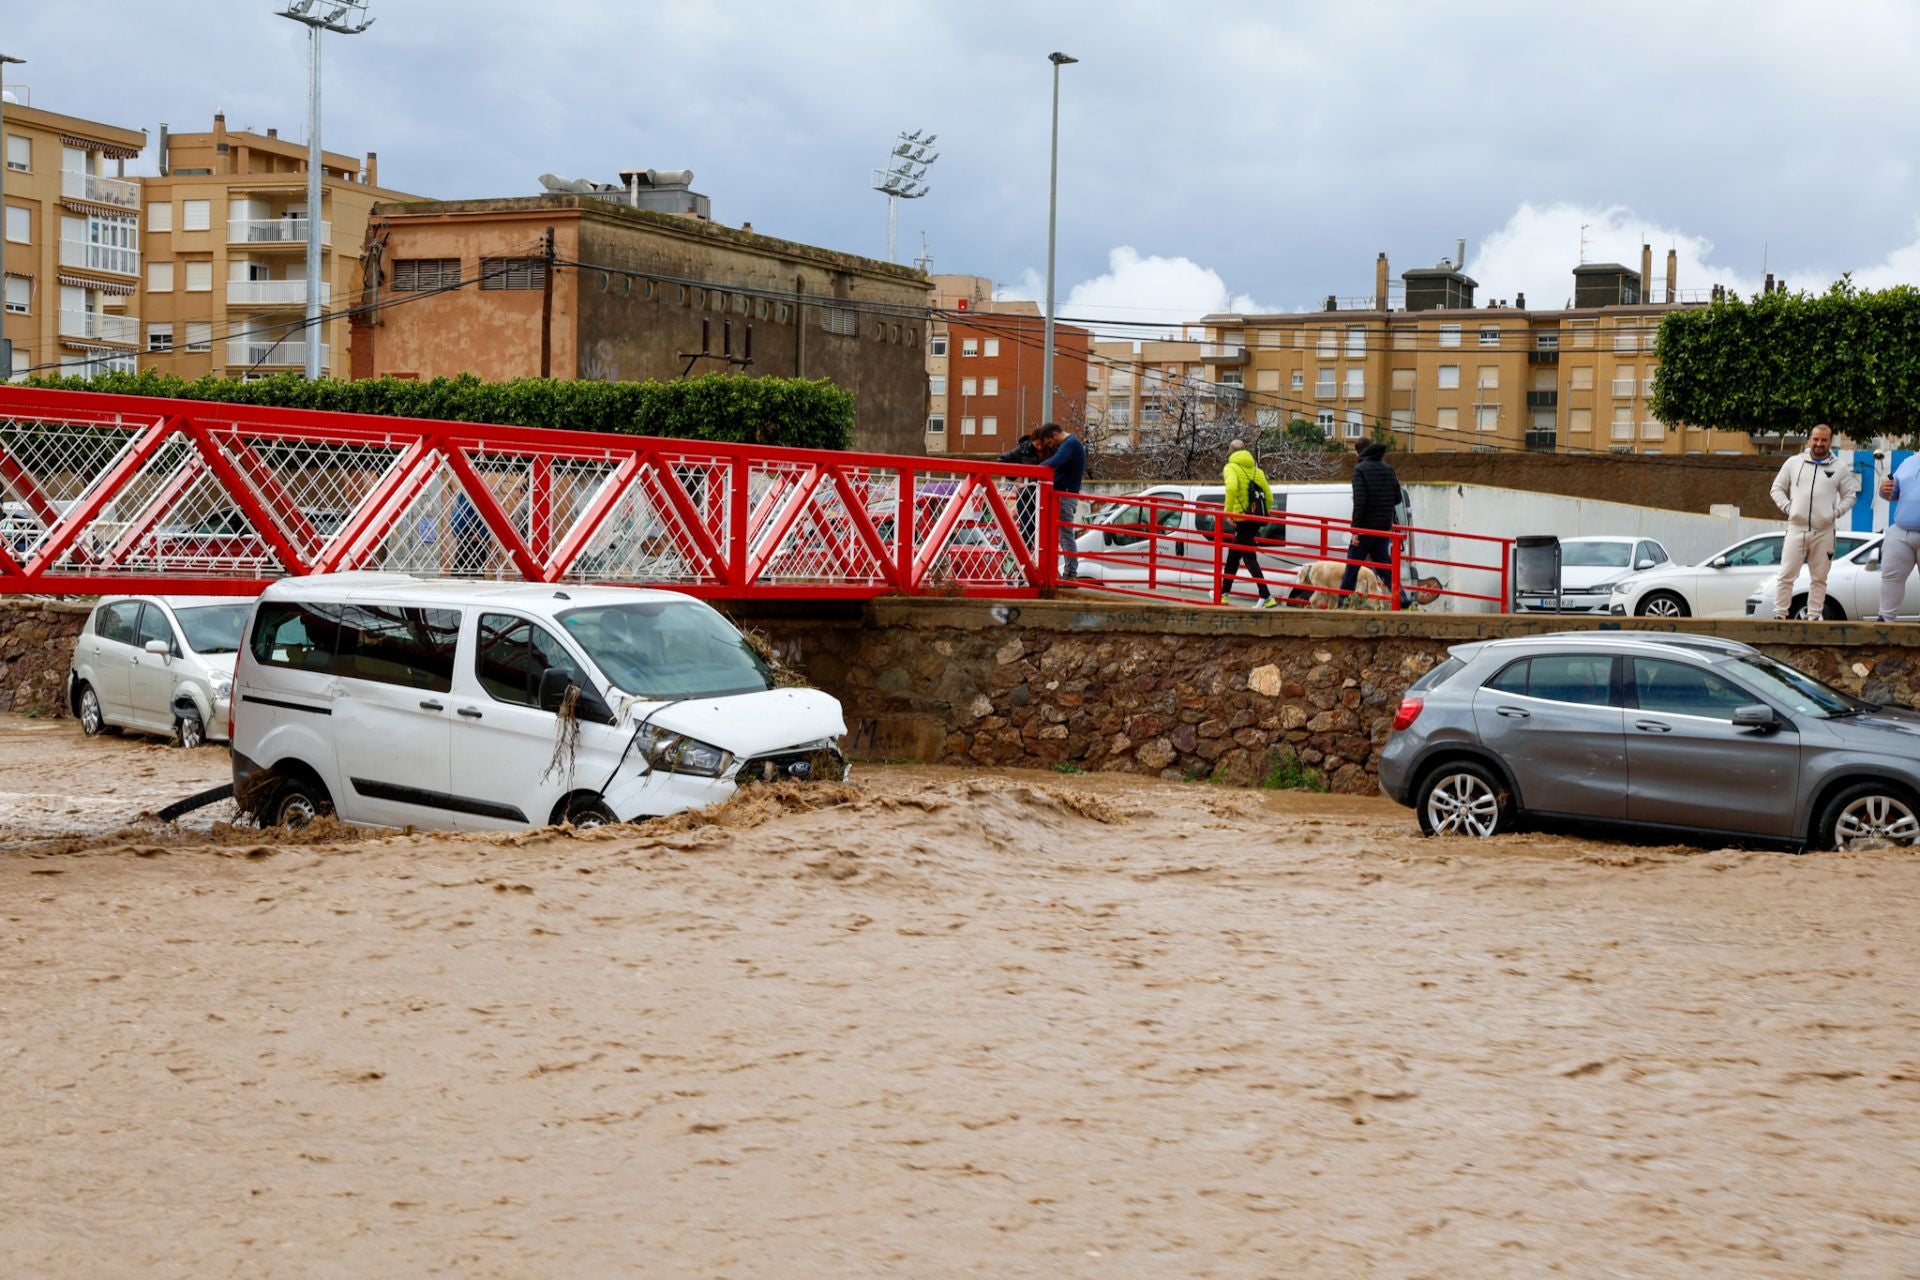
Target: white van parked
1182 552
398 701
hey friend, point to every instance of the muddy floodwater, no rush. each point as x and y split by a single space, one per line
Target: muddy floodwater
938 1024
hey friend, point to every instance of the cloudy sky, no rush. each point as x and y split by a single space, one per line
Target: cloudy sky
1247 154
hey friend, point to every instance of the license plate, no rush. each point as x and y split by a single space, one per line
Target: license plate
1538 602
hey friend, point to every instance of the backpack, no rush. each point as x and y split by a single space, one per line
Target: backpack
1256 505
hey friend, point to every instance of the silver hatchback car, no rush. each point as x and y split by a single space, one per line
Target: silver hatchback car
1683 733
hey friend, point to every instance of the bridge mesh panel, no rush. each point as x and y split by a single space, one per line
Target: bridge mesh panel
46 469
441 534
313 489
645 538
176 517
822 543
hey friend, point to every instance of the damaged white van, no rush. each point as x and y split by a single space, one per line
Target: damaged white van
398 701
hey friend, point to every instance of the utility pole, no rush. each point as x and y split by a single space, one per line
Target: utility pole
347 18
546 310
1053 200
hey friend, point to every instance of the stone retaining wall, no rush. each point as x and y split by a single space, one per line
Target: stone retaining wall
1229 695
36 649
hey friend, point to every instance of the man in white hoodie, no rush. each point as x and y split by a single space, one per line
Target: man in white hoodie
1814 491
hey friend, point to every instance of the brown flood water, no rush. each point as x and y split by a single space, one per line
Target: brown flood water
940 1025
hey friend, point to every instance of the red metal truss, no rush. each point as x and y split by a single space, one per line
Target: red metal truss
133 493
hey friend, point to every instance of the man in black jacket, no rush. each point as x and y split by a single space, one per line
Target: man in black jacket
1376 492
1026 504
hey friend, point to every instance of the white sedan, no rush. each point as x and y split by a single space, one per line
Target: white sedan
1853 590
1591 567
1716 587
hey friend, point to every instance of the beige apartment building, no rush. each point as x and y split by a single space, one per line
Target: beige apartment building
1130 382
72 244
225 270
1444 375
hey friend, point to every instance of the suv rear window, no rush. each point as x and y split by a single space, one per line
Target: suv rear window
1442 672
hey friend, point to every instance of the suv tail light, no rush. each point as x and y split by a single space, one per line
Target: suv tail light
1409 710
233 704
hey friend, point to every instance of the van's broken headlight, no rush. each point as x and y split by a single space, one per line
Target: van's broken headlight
677 753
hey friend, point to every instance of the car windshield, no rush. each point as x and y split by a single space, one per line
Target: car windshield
213 628
1795 690
659 649
1593 555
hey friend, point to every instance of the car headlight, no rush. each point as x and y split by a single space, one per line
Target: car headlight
222 684
1621 588
677 753
1600 588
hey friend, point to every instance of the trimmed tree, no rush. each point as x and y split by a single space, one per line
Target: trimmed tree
1783 362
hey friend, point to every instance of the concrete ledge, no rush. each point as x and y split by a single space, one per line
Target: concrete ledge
1085 612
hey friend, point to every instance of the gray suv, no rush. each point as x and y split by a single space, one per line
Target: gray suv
1683 733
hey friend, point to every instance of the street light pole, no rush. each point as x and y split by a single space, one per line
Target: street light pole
6 348
347 18
1053 200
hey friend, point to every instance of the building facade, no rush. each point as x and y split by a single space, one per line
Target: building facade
463 287
72 244
1444 375
985 361
224 289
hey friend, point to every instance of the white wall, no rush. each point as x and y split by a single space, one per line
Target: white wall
1512 513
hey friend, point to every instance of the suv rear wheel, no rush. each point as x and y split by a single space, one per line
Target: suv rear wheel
1463 798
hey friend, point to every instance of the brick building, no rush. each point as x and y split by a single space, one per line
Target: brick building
985 359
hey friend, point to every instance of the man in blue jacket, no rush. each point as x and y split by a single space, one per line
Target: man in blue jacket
1067 458
1902 545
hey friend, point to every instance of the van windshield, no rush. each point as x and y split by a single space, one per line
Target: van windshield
661 649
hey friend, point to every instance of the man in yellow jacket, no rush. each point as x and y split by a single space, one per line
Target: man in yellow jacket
1249 497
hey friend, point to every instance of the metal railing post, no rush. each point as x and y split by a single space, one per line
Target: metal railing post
1049 563
1395 549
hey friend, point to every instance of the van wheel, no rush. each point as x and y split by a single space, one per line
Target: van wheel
93 720
188 732
587 811
299 803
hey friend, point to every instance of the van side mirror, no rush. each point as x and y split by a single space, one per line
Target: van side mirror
554 684
1757 716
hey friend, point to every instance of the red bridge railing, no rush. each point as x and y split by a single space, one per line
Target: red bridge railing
123 493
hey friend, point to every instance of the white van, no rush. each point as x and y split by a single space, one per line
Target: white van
398 701
1182 553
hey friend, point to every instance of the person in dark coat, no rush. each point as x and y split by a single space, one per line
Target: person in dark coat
1068 459
1026 504
1376 492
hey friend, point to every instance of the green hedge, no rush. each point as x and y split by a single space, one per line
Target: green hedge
1783 362
787 412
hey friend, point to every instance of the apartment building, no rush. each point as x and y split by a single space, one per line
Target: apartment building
226 223
1443 374
1131 386
985 361
71 244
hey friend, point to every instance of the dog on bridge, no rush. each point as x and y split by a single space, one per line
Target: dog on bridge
1319 585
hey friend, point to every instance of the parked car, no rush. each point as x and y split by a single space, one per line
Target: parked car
1716 587
400 701
1688 733
1853 590
1591 567
158 664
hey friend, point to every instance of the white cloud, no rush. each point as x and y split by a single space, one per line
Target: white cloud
1136 289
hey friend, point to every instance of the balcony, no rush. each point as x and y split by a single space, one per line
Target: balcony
1543 441
1544 357
256 352
273 293
1653 430
1353 391
1543 399
1324 391
274 231
1623 388
1646 387
100 257
116 192
1223 353
100 327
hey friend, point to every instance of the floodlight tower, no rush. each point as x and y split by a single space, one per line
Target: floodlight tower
904 179
346 18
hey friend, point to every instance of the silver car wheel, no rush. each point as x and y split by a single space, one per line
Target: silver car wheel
90 718
189 732
1463 804
1875 821
1664 607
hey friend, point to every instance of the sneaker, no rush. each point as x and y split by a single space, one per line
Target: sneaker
1268 602
1226 597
